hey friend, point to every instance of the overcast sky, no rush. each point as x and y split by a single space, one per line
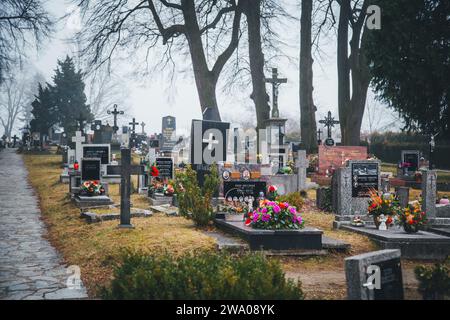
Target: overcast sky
150 100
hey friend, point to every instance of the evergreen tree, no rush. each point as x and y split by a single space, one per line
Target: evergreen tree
410 62
68 96
44 112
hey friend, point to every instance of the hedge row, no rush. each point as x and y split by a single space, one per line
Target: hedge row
391 152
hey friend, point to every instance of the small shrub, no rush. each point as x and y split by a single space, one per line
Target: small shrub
202 275
434 282
195 202
294 199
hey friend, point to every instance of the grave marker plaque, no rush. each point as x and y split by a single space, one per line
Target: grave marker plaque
90 169
242 190
165 167
410 158
364 177
100 151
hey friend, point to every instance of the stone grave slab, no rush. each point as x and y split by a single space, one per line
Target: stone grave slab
422 245
158 199
92 201
303 239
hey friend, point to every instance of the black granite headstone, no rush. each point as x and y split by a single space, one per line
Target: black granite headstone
239 190
364 178
165 167
168 133
90 169
101 152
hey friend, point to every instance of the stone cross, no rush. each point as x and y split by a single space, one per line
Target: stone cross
125 170
78 139
429 193
275 81
115 112
143 126
329 122
302 165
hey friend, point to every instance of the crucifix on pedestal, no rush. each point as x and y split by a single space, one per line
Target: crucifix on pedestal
275 81
329 122
133 125
143 126
81 120
115 112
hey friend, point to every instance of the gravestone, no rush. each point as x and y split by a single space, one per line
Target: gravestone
385 185
168 131
336 156
410 158
429 178
100 151
90 169
208 145
165 167
243 190
351 187
302 165
374 276
402 195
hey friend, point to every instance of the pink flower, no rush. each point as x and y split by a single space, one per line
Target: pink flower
276 209
255 217
271 203
292 210
265 217
264 210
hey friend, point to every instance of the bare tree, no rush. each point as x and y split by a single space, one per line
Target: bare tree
21 21
31 90
12 102
114 24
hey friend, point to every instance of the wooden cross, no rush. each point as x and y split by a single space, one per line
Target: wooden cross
329 122
78 139
275 81
115 112
125 170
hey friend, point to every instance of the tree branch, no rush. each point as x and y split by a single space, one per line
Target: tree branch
166 33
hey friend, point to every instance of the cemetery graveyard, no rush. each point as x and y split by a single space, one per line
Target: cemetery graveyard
108 186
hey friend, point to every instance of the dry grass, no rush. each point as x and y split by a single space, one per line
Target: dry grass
94 247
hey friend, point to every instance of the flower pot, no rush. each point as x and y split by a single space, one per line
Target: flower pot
377 222
410 228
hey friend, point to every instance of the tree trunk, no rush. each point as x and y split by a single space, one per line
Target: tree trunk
343 67
252 10
204 78
308 125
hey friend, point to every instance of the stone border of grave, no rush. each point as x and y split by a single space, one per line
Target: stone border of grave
92 217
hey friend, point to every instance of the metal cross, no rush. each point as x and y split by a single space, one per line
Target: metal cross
125 170
329 122
133 132
115 112
319 136
275 81
81 119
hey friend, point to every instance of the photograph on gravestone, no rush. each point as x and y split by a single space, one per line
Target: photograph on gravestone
101 151
242 190
90 169
364 178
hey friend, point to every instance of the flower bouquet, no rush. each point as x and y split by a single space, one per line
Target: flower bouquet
380 204
92 188
358 222
153 170
168 190
272 192
275 215
411 218
234 210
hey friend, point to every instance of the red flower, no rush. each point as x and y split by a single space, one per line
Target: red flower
248 222
282 205
272 189
154 172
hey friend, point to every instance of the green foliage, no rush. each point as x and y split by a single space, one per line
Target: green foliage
326 202
434 282
203 275
44 111
293 198
195 202
409 61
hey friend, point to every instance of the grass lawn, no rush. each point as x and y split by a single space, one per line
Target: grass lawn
95 247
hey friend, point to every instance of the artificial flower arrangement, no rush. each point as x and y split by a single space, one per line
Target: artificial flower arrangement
157 186
272 192
411 218
152 170
357 222
92 188
168 190
275 215
286 170
380 204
